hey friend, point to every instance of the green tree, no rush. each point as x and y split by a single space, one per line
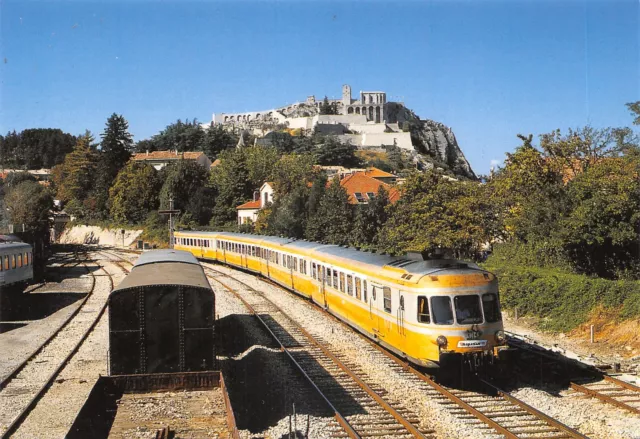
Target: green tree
327 107
332 152
369 220
217 139
73 178
634 107
35 148
135 192
292 171
332 222
187 183
435 212
29 203
115 152
288 214
232 185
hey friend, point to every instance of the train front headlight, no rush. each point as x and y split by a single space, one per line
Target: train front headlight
442 341
501 338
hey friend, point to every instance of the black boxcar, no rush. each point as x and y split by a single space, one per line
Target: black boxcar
161 317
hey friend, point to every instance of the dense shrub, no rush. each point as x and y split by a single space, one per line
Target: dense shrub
564 300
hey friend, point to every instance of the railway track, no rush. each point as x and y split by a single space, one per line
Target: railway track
28 383
361 409
596 384
498 410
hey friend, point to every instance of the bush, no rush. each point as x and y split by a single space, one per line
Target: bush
564 300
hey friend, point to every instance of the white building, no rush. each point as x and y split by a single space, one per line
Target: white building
248 212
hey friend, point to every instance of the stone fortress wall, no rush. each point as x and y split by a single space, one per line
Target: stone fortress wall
366 122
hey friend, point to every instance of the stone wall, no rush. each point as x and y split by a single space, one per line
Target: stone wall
80 234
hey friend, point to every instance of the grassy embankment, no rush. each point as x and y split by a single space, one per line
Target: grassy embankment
560 299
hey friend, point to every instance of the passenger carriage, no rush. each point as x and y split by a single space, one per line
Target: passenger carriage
16 266
438 311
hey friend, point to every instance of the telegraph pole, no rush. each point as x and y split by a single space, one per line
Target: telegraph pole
170 212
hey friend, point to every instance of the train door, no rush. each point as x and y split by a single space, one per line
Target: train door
201 245
400 319
375 323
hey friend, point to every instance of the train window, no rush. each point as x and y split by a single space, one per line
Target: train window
335 279
402 303
6 262
277 258
364 290
491 307
349 285
304 267
313 270
442 310
373 293
25 258
342 282
468 310
1 264
386 294
295 264
13 261
423 310
358 288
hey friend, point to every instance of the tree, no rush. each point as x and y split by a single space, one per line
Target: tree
217 138
369 220
29 203
332 221
332 152
231 182
292 171
434 212
73 178
634 107
135 192
115 152
328 108
35 148
288 214
185 182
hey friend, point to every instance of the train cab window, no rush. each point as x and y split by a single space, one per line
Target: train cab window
491 307
468 310
349 285
342 282
423 310
364 290
358 288
386 292
442 310
335 279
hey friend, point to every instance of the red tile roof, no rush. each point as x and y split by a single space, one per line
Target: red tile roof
359 182
250 205
378 173
168 155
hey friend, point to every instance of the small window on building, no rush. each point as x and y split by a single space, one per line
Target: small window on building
349 285
423 310
359 197
371 195
386 292
342 282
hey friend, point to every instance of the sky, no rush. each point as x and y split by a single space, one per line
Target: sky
487 69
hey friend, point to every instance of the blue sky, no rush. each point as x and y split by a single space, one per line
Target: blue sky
488 69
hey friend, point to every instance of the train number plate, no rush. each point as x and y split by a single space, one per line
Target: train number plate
472 343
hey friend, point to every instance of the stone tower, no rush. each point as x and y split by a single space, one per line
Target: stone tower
346 95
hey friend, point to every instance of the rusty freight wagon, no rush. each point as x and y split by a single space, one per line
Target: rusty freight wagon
161 317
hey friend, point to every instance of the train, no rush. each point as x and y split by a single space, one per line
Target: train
162 317
434 312
16 264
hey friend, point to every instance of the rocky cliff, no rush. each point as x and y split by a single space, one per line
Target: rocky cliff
434 141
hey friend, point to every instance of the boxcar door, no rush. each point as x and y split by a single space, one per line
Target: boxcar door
162 344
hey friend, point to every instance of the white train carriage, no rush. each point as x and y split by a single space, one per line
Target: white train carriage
16 265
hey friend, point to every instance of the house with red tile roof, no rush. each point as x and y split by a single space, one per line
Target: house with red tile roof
248 212
363 188
160 159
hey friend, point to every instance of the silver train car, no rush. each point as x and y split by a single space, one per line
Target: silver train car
16 266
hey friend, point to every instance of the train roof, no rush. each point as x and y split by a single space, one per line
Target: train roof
162 256
401 265
10 247
165 267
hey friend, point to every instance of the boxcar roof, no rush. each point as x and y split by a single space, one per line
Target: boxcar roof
166 273
163 256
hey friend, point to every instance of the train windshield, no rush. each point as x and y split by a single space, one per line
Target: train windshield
468 309
441 310
491 307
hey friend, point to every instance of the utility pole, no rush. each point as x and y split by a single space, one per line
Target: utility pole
170 212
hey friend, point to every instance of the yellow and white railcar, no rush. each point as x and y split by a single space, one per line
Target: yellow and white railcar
429 311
